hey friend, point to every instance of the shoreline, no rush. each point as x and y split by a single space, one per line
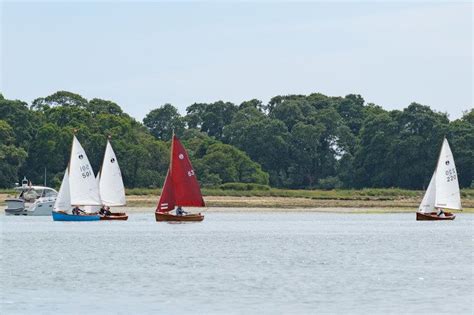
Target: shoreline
147 203
334 210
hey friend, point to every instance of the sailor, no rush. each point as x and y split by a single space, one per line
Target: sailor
105 210
77 211
440 213
180 211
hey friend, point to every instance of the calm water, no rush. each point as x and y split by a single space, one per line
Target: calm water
238 263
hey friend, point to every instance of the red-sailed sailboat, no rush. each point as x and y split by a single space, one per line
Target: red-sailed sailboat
181 187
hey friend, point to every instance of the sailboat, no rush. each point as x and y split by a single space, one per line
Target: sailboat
443 190
79 187
111 189
181 187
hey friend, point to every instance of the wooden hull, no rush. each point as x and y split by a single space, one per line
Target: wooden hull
63 216
161 217
115 216
432 216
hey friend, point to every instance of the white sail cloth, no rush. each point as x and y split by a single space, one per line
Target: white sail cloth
112 191
63 200
79 186
443 190
82 182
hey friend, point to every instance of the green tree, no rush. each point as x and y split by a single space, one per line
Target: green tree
163 121
224 163
65 98
98 106
461 139
11 157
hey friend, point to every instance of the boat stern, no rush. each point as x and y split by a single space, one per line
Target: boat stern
15 206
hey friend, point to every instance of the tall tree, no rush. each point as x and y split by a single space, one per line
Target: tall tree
163 121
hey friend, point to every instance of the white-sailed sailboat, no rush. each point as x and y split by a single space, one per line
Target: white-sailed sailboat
111 188
443 190
78 188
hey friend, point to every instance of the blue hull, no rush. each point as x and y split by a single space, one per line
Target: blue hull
58 216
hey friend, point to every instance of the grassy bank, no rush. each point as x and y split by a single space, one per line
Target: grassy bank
341 194
284 198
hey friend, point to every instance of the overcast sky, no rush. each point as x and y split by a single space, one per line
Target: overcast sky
147 54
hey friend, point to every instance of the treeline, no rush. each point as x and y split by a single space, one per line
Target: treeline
294 141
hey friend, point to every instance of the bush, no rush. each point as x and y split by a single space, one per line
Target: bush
329 183
243 186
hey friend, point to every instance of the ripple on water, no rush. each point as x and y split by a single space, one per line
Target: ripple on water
238 263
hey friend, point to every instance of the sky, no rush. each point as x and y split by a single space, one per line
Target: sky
143 55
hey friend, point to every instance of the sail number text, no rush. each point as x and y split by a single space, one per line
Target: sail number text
451 174
85 171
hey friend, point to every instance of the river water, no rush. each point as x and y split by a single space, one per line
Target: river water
238 263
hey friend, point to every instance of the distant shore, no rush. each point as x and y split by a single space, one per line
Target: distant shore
274 200
220 203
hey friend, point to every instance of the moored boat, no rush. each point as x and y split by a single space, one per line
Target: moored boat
31 200
443 190
181 188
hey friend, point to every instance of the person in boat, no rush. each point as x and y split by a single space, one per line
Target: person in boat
180 211
104 210
77 211
440 213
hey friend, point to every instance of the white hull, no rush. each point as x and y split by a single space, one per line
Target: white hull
41 207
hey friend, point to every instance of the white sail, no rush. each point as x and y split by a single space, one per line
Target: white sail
428 202
93 209
112 191
447 185
82 183
63 200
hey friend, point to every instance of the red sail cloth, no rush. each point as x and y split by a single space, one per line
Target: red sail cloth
181 187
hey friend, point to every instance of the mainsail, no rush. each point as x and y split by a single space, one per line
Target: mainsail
112 191
82 182
443 190
447 185
181 187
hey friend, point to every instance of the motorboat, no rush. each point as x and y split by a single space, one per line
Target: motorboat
31 200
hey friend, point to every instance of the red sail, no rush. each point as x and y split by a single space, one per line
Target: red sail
181 186
167 202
